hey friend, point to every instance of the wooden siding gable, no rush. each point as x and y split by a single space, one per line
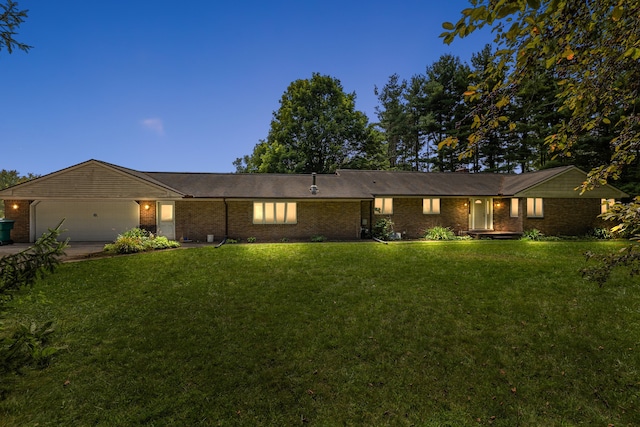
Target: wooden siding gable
564 185
89 180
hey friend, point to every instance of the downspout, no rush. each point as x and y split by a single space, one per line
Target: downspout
226 224
226 219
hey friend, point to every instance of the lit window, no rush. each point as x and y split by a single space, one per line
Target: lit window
383 206
275 213
515 208
606 204
166 212
430 206
534 207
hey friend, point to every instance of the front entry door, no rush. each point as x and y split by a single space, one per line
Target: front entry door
166 220
481 214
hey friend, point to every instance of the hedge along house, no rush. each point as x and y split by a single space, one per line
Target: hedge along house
99 200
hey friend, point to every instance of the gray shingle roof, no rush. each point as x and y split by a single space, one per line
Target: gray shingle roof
255 186
344 184
349 184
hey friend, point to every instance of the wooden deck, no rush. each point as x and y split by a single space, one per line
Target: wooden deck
489 234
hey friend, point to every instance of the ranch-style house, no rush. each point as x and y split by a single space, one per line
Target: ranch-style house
99 200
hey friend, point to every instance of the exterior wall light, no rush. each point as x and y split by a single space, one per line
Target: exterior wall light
146 206
15 206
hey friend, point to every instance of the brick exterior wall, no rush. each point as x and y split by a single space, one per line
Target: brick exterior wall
565 217
409 220
333 220
195 220
148 216
502 220
342 220
20 231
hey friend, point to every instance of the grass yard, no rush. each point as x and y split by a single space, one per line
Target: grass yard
502 333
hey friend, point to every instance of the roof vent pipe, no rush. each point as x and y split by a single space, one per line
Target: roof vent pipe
314 188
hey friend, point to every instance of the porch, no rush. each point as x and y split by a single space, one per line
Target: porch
491 234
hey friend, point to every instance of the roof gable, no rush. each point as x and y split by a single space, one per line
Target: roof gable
560 182
90 180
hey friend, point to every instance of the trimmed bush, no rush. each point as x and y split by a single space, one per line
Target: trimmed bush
138 240
383 229
440 233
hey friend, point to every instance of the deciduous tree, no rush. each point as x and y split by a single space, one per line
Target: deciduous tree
593 48
316 129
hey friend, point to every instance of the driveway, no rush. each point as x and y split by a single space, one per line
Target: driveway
75 250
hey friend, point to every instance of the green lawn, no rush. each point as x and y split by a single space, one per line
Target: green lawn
423 333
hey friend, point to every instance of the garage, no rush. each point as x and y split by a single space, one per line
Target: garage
85 220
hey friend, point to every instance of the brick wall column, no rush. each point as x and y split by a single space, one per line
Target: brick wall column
18 210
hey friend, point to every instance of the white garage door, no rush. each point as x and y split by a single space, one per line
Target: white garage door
86 221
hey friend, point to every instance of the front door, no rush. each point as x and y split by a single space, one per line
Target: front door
481 213
166 220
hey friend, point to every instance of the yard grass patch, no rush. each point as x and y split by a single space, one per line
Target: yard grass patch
496 333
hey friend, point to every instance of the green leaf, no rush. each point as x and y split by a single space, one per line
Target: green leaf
506 11
632 52
448 26
533 4
617 13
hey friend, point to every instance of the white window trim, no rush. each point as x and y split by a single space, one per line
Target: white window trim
431 206
288 212
535 207
384 207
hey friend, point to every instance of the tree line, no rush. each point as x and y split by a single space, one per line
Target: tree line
318 129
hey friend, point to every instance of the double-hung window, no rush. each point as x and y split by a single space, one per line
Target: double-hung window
534 207
431 206
383 206
275 213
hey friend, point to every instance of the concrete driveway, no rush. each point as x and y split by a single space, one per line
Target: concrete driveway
75 250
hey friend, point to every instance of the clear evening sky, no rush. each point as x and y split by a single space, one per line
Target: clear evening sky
189 86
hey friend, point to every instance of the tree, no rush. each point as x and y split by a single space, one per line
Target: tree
316 129
593 47
10 19
447 80
28 344
392 119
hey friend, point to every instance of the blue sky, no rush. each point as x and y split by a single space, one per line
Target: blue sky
192 85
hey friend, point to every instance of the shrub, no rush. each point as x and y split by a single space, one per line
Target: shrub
251 239
533 234
383 229
138 240
318 238
440 233
600 234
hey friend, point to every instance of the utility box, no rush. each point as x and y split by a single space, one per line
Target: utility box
6 225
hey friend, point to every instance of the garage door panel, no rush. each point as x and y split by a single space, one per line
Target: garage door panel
88 221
